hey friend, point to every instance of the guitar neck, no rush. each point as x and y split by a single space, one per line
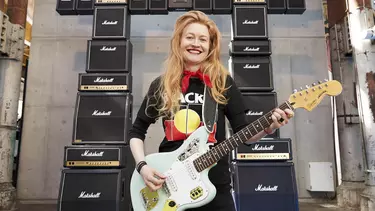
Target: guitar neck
216 153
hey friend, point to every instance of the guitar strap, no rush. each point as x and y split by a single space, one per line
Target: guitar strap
209 110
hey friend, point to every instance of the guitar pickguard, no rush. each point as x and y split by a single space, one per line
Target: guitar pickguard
191 149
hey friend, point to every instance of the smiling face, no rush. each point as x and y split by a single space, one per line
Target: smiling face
195 44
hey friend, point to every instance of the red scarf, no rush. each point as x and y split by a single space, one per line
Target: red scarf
187 74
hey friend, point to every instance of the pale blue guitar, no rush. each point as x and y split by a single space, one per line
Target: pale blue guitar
187 184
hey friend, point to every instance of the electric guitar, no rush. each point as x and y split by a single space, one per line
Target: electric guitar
186 169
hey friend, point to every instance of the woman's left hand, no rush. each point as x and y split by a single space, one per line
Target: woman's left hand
280 118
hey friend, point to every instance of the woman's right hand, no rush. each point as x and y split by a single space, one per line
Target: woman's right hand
153 179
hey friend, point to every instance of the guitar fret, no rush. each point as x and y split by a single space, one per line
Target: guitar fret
261 125
264 117
248 129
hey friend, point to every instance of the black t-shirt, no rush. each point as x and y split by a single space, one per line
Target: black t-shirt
177 129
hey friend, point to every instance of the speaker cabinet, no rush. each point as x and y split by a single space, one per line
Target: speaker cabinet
203 6
66 7
250 22
249 2
113 82
158 7
252 73
94 190
180 5
138 7
102 118
276 6
111 22
295 6
84 7
106 56
250 48
222 7
265 186
258 104
98 157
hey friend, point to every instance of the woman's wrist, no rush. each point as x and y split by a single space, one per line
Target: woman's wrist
268 131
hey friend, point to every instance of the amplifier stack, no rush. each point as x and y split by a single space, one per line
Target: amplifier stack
262 172
99 162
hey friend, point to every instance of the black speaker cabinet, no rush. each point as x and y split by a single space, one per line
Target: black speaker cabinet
249 22
94 190
108 82
295 6
203 6
84 7
111 2
66 7
258 104
158 7
222 7
98 157
253 73
111 22
180 5
138 7
276 6
106 56
102 118
265 186
250 48
249 2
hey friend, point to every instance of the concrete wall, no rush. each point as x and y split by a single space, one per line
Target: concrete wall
58 54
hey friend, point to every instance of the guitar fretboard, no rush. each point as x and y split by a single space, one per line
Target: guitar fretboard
216 153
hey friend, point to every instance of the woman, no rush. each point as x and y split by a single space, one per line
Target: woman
177 96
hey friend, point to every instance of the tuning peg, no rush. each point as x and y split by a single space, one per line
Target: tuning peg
320 82
295 91
307 86
301 88
326 80
314 84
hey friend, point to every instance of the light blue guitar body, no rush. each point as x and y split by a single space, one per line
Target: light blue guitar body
184 187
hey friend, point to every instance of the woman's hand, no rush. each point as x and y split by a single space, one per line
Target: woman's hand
153 179
280 118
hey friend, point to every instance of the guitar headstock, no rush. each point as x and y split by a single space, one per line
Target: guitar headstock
310 97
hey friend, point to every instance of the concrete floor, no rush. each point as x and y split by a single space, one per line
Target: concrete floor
303 207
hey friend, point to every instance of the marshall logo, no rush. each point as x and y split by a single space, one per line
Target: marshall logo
262 188
85 195
109 22
103 80
251 49
87 153
247 22
257 147
105 48
103 113
252 113
248 66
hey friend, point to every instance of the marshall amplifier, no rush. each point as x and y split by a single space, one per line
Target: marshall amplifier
252 73
138 7
250 22
111 2
94 190
105 82
276 6
66 7
111 22
264 186
222 7
84 7
97 156
250 48
295 6
249 2
180 5
258 104
158 7
109 56
203 6
265 150
102 118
